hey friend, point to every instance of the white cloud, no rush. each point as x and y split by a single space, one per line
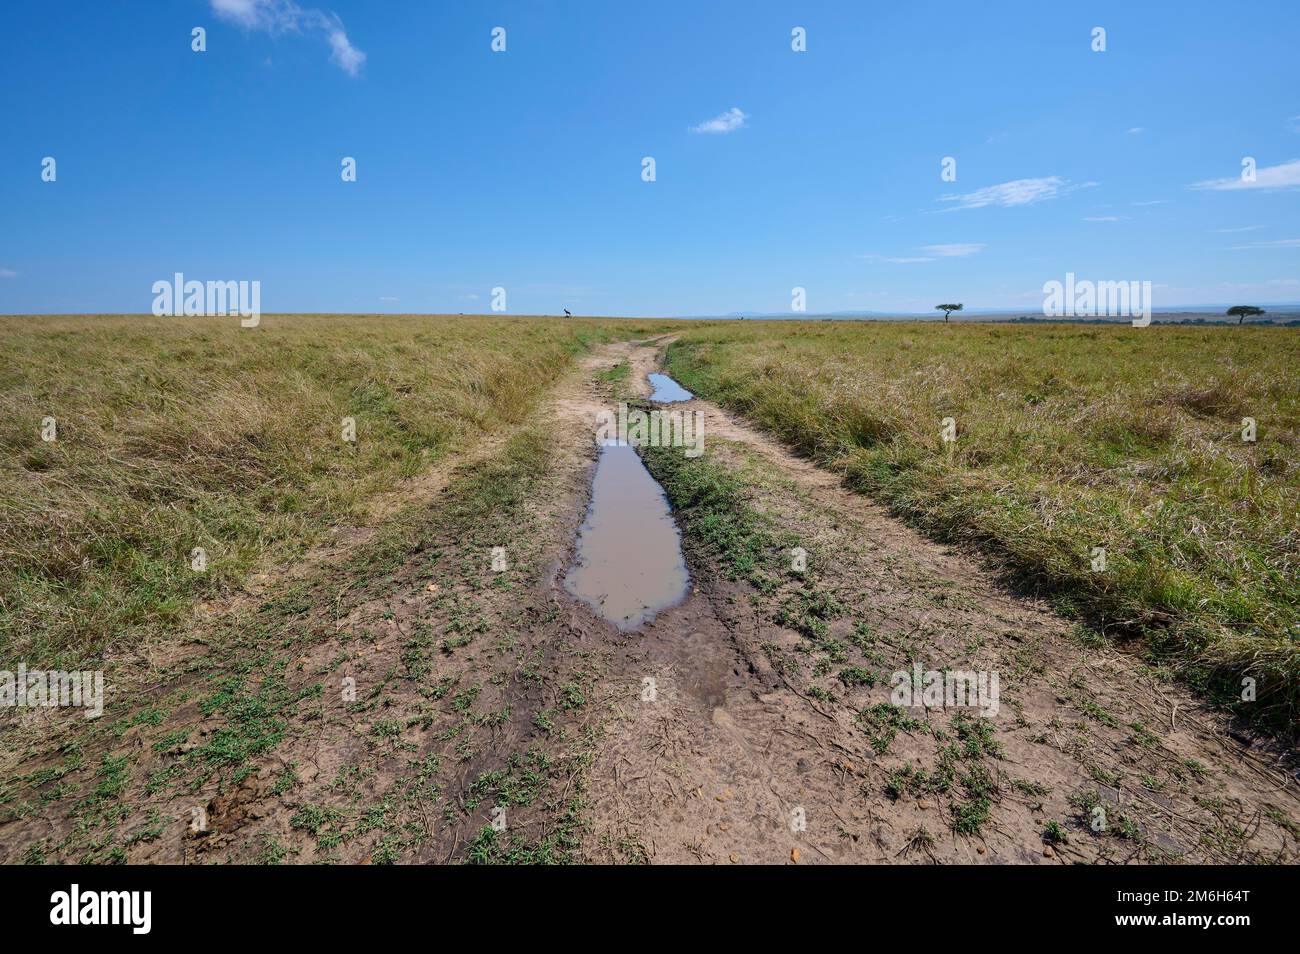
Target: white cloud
729 121
1283 176
1244 228
1152 202
387 298
957 250
8 273
1016 192
344 53
285 16
1280 243
1136 130
1104 218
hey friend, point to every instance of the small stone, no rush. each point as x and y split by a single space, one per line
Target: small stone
794 855
1048 852
924 804
723 826
734 857
979 849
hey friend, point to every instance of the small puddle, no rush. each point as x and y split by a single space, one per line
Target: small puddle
629 564
667 391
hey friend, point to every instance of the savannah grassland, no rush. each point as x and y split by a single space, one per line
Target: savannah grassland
1068 438
482 689
174 435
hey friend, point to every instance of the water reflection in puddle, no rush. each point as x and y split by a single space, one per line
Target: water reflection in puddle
667 391
629 564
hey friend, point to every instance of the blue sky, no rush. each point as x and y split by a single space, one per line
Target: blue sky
522 169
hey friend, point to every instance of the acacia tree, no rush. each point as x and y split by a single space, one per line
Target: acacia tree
1242 312
948 309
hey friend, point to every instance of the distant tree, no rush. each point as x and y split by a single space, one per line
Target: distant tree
1242 312
948 309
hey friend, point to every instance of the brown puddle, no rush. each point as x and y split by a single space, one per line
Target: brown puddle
629 564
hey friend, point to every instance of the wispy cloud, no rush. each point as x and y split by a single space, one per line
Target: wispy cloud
1014 193
1244 228
958 250
727 122
1137 130
285 16
1152 202
1293 124
955 250
8 273
1104 218
1283 176
1280 243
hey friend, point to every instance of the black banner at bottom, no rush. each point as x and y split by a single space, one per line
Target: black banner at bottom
221 904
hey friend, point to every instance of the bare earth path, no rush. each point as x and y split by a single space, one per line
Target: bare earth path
236 742
400 692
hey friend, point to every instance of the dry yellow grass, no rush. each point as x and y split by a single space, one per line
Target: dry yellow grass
176 433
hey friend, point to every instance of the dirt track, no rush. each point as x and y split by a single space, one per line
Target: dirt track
719 767
762 744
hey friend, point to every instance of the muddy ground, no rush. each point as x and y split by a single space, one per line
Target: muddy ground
424 690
